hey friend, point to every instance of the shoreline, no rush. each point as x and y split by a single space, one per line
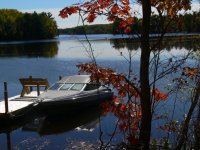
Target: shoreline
93 37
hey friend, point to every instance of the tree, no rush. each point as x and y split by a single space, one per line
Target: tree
121 11
15 25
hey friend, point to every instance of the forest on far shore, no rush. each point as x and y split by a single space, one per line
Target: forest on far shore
188 23
15 25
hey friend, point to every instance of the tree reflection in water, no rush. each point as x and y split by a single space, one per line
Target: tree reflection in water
39 49
168 44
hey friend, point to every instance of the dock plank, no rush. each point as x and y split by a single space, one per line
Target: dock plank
16 103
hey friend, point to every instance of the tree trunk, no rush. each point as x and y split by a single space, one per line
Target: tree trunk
145 129
197 131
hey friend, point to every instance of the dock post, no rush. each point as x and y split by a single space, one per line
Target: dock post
60 77
8 141
38 89
31 88
6 97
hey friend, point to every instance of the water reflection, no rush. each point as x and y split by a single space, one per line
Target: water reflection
44 124
86 120
71 48
125 43
168 44
43 49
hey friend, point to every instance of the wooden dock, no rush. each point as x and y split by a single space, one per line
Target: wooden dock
16 102
17 106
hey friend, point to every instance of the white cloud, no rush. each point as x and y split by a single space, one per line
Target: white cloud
73 20
69 22
195 7
62 23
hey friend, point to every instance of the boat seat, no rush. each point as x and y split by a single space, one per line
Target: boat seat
29 83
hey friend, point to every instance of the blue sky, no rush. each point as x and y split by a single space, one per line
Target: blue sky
35 4
54 6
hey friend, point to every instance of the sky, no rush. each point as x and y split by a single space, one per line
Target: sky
54 6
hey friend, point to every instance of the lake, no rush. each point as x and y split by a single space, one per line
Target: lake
59 57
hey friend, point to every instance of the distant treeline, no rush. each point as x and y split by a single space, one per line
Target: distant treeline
15 25
89 29
187 23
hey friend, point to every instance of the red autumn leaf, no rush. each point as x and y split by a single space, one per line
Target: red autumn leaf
64 13
100 1
115 8
106 106
86 4
123 116
126 8
111 18
130 20
104 3
125 2
191 72
122 108
121 77
133 140
122 93
115 100
127 30
135 124
122 24
163 96
123 126
158 95
91 18
139 114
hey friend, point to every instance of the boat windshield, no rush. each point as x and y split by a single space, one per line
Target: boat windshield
90 87
77 86
66 86
56 86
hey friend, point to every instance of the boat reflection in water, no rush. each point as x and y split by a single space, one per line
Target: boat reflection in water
47 125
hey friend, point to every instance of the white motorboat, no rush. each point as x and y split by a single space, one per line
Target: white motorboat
73 93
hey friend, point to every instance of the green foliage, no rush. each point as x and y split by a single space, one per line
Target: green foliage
188 23
15 25
89 29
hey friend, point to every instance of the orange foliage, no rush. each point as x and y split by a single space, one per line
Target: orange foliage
67 11
191 72
91 17
114 10
133 139
121 10
171 7
158 95
127 29
129 113
108 76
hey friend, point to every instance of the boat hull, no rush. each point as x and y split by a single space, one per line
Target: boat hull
17 116
76 103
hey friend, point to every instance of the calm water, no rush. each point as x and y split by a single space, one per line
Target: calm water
52 58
